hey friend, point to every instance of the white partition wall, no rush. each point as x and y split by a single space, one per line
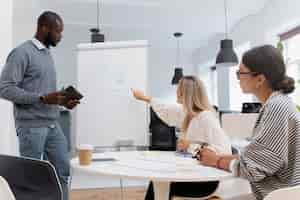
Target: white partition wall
108 114
239 125
8 142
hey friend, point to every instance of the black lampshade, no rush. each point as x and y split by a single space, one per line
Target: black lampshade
178 74
96 36
226 56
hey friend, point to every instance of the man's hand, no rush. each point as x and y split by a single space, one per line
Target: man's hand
55 98
71 104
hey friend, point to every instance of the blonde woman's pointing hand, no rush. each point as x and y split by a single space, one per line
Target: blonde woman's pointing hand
140 95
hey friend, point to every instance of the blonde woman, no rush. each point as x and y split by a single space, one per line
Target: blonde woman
198 124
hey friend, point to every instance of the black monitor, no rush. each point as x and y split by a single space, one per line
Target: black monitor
252 107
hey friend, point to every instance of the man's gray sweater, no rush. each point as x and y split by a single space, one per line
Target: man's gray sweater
28 74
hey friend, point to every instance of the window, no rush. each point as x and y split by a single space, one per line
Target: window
291 49
209 77
237 97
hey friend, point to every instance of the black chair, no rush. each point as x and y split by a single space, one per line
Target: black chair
163 137
30 179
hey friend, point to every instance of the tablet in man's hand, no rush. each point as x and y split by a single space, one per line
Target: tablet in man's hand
72 93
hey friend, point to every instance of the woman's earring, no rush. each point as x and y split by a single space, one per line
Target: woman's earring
260 82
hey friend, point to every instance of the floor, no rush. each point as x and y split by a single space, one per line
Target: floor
129 193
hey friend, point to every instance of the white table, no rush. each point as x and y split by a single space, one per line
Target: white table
161 167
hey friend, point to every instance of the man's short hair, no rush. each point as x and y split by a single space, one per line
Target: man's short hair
48 18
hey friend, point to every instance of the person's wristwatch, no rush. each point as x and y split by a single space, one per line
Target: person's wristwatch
42 98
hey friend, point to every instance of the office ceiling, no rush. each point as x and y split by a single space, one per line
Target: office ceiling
199 20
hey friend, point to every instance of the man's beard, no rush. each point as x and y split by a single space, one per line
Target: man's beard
49 41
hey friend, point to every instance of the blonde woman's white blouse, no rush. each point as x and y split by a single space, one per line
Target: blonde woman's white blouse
205 127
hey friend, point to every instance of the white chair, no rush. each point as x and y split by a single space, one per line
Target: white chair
289 193
5 192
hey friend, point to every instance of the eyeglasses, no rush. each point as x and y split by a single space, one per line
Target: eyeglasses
238 74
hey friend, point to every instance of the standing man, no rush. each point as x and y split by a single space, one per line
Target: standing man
29 81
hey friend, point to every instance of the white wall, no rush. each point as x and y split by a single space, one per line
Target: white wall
6 30
276 17
6 119
25 15
261 28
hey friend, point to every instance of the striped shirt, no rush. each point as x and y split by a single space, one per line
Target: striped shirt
272 159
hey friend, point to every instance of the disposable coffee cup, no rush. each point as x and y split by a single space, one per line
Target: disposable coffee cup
85 154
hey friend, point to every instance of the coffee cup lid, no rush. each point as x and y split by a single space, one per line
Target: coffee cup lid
85 147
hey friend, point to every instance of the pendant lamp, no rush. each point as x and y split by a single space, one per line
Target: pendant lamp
96 36
226 56
178 71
